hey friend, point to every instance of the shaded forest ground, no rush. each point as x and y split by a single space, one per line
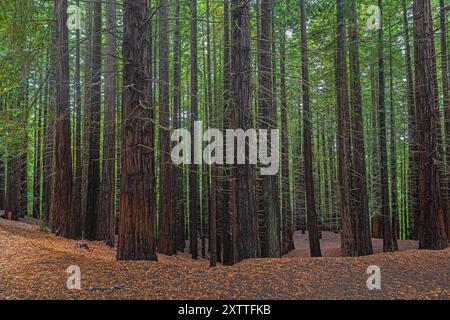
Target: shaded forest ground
33 264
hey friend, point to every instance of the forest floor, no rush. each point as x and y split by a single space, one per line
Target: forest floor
33 266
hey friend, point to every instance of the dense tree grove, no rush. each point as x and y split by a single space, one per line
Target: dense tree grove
92 91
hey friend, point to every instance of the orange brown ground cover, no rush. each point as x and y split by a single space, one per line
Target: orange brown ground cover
33 264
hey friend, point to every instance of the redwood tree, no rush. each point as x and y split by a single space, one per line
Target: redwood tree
363 240
165 227
266 118
388 245
137 211
313 230
431 226
106 215
93 127
193 178
243 186
348 243
61 212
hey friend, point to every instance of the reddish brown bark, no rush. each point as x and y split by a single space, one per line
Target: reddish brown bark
61 213
137 210
431 229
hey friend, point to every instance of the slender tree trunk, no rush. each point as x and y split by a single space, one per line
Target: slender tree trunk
393 142
106 215
137 208
431 225
36 211
87 111
227 213
76 204
288 232
49 143
267 121
165 230
212 221
216 172
2 163
61 203
313 230
178 203
93 178
364 243
384 187
2 182
412 155
193 177
348 244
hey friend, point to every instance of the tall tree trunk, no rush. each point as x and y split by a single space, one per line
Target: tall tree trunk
348 244
87 111
313 230
49 142
61 203
2 163
384 186
267 121
412 155
364 243
227 213
137 208
288 231
165 230
193 177
393 140
212 221
446 95
216 171
93 178
76 204
243 187
431 225
178 181
106 215
36 211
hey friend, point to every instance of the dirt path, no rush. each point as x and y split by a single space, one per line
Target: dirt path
33 264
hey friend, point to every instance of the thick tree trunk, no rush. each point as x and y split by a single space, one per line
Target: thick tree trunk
62 218
446 99
431 226
137 210
243 186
